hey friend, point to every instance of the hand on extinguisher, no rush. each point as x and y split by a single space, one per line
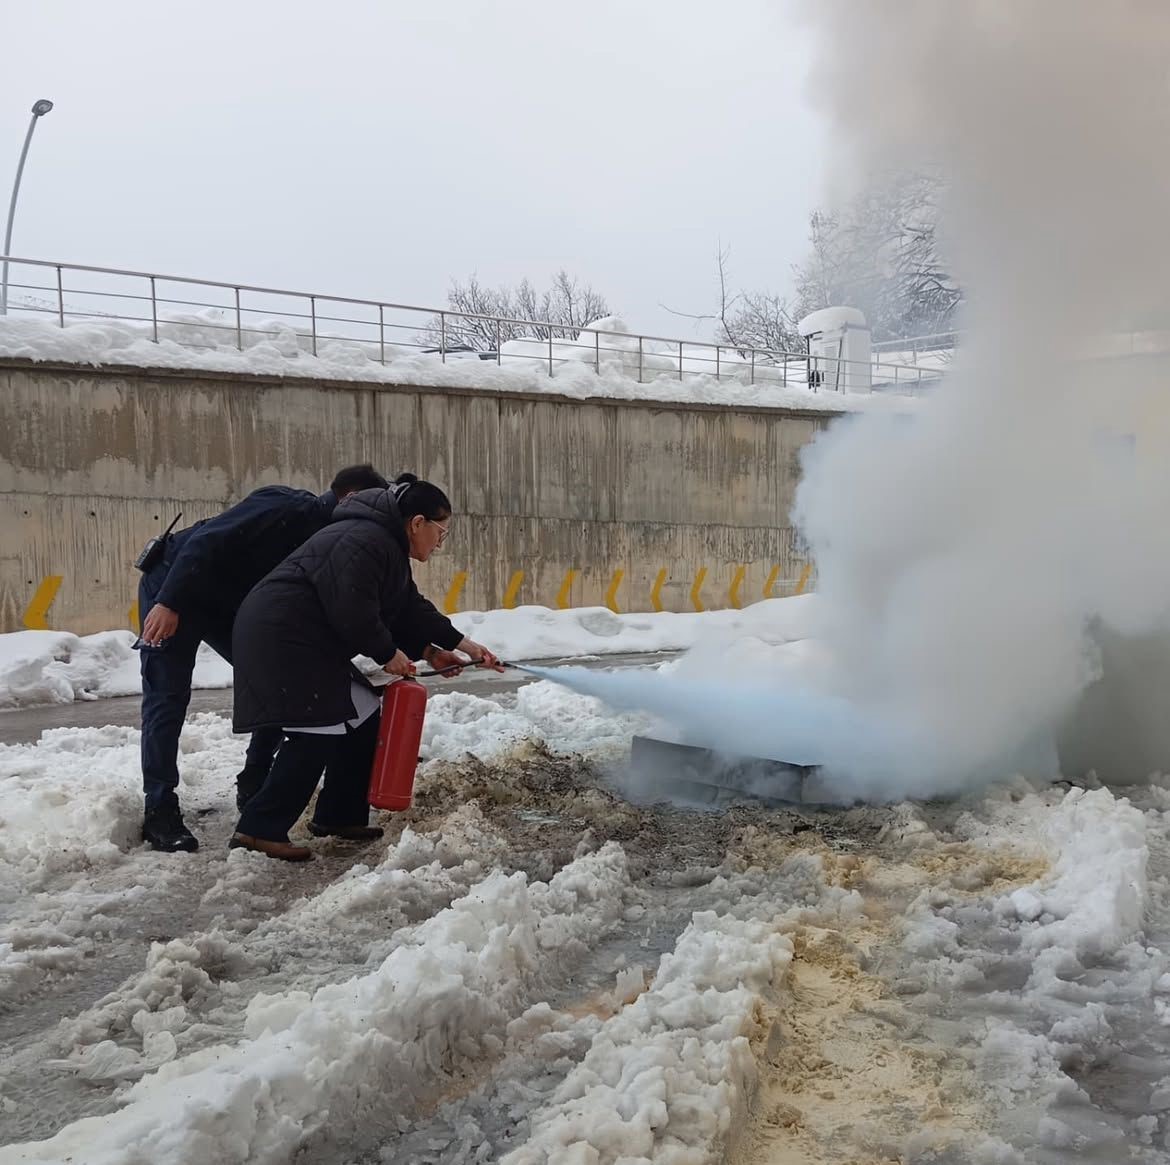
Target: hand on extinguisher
480 654
400 665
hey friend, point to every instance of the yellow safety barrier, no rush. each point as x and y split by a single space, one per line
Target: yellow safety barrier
697 589
611 593
513 590
36 614
736 583
565 593
451 602
37 611
656 590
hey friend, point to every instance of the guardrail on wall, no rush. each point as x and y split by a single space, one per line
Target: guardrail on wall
208 314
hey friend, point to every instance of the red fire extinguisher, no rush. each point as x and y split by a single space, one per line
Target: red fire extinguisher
404 706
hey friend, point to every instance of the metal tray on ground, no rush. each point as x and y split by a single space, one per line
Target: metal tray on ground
700 776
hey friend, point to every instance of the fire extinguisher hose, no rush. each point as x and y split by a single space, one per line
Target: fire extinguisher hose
446 671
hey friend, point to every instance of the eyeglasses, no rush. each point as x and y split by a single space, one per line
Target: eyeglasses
443 530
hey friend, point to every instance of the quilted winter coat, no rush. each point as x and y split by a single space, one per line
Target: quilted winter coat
347 591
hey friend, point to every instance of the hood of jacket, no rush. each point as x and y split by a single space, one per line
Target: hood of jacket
374 505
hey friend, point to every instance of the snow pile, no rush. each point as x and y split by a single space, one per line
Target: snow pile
459 724
541 633
70 814
1094 900
74 799
1091 901
55 667
207 340
1062 963
379 1041
670 1076
214 987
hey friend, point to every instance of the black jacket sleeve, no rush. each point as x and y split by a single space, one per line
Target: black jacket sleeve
349 583
215 549
419 623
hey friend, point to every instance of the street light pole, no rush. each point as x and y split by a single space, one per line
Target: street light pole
39 110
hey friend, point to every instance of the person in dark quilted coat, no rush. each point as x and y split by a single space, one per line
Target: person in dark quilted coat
347 591
191 596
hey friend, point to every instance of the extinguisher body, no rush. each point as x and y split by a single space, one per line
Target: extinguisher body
404 706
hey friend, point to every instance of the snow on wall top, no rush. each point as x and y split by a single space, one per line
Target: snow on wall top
201 341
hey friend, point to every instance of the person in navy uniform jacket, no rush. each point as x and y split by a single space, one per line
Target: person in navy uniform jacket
191 596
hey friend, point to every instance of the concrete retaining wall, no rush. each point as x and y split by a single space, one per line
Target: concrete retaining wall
559 502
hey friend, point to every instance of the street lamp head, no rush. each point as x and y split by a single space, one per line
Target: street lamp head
41 108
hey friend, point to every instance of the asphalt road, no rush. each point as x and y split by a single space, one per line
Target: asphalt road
25 725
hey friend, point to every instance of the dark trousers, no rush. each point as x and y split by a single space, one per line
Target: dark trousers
346 761
166 692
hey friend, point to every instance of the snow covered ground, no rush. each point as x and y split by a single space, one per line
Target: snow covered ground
529 968
207 340
534 966
55 667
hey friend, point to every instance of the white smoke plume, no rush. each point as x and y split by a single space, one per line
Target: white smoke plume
973 557
965 555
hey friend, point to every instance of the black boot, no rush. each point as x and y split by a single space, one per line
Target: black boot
163 829
248 782
346 832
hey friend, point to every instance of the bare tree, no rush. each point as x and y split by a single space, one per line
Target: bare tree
747 320
881 254
560 310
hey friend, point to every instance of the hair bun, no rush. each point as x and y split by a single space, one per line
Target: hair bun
405 479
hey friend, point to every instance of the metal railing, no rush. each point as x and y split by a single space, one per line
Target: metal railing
938 341
212 315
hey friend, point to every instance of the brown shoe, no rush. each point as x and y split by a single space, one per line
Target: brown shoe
285 850
347 832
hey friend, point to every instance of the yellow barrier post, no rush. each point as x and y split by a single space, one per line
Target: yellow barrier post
611 593
697 589
451 602
513 590
736 583
565 595
36 614
656 590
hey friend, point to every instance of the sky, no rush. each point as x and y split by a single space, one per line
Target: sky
381 149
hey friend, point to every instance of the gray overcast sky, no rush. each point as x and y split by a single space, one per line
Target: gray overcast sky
379 149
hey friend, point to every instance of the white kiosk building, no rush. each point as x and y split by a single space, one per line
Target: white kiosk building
839 350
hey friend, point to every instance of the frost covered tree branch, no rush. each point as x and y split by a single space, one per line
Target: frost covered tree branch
560 310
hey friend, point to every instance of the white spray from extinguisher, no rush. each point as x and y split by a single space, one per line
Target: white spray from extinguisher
789 723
